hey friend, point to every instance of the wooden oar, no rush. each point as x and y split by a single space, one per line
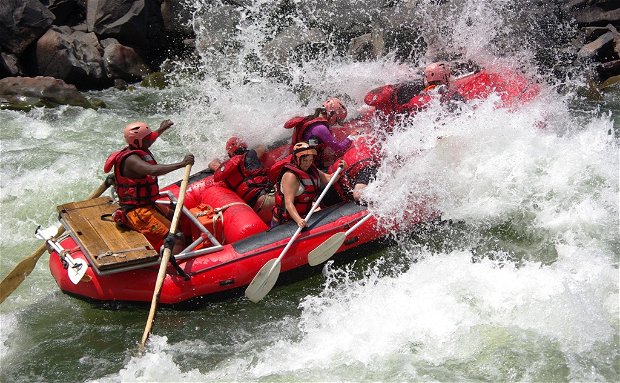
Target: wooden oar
328 248
161 275
26 265
267 276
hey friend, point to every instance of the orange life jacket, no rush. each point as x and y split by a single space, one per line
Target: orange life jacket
247 184
303 202
133 192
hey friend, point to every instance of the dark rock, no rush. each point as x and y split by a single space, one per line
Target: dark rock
9 65
120 84
21 23
39 91
74 57
97 103
592 33
608 70
134 23
597 16
584 4
368 46
155 80
593 48
82 27
345 16
123 62
177 17
68 12
289 41
610 82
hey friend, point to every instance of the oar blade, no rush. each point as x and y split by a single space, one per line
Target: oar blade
12 281
264 281
326 249
77 271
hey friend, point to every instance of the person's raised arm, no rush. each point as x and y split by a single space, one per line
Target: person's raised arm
165 125
327 137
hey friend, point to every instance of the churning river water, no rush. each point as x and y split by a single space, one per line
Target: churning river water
520 283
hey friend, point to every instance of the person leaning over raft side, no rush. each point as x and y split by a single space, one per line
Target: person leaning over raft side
135 173
315 129
298 186
245 174
363 163
436 81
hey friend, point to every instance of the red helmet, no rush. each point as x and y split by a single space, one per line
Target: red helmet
302 149
437 72
136 132
335 109
233 144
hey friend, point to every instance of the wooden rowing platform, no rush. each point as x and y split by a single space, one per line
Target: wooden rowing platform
109 248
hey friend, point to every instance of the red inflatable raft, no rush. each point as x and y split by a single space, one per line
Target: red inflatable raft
127 272
513 89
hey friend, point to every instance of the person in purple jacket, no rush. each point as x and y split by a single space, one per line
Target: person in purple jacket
315 129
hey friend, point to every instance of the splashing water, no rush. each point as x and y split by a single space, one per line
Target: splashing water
519 282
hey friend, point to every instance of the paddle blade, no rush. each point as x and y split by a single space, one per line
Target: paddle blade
264 281
326 249
77 271
19 273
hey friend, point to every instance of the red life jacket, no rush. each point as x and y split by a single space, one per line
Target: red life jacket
132 192
303 202
419 101
247 184
301 124
390 99
276 169
360 156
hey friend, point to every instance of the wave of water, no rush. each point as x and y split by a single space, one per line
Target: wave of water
520 285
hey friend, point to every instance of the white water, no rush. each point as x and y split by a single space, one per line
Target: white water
523 287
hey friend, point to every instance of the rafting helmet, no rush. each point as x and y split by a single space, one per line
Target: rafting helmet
437 72
235 145
136 132
303 149
335 110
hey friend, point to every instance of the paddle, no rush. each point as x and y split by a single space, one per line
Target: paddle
165 257
267 276
76 268
328 248
26 265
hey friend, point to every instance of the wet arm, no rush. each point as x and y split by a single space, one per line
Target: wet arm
136 167
322 132
165 125
223 170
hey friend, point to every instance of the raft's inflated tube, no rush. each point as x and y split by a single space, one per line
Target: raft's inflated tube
231 213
